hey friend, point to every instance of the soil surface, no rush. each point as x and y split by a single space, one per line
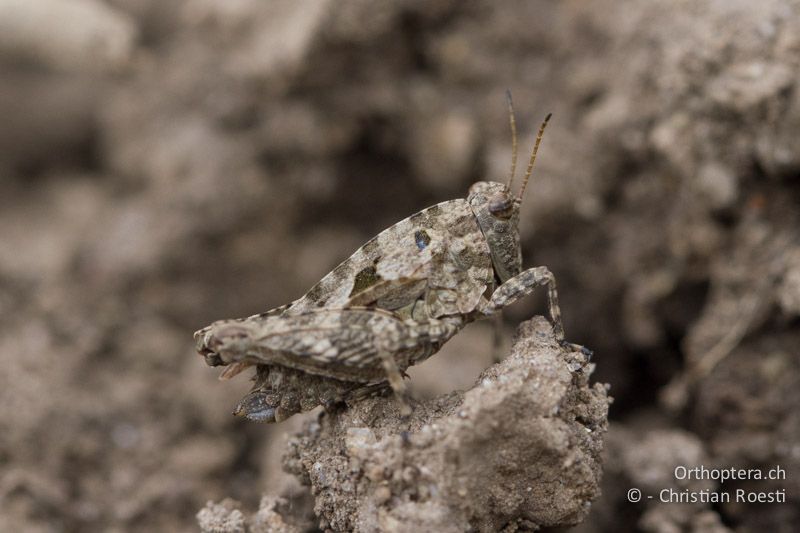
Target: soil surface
168 164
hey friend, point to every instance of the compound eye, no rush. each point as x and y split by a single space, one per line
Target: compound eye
501 206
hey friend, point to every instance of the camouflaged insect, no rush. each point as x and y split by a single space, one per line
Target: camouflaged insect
390 305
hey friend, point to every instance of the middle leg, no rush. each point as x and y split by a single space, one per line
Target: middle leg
395 379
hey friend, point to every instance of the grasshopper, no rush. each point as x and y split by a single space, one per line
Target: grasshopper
390 305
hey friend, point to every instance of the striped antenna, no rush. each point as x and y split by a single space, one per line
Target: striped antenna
533 155
513 123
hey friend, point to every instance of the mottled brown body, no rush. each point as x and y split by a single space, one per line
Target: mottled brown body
434 263
344 344
320 356
390 305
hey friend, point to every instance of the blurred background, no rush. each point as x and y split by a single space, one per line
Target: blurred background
167 164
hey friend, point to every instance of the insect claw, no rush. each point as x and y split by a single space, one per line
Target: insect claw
234 369
578 348
257 406
213 359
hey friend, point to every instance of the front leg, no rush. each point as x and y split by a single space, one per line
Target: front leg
523 284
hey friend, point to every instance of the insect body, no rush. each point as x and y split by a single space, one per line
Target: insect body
321 356
391 304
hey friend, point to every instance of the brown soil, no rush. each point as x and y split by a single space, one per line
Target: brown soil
165 165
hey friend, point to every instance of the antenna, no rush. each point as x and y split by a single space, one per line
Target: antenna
533 155
513 122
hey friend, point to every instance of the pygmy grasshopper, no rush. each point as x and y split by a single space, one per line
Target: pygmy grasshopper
390 305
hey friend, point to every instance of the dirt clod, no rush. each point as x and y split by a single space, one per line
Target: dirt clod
522 446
